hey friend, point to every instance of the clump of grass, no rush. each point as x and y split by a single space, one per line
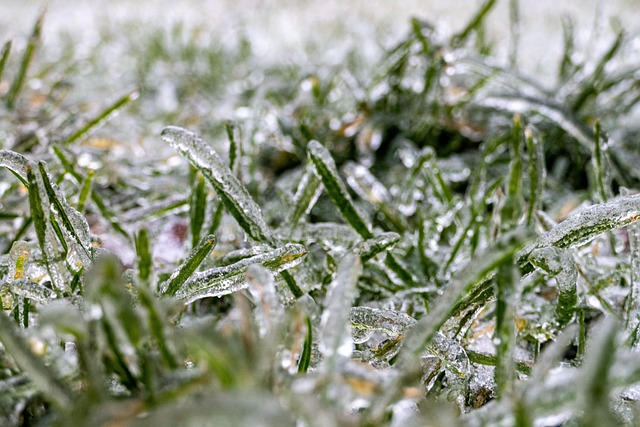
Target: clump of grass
379 244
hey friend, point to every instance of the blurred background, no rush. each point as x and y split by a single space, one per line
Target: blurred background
284 28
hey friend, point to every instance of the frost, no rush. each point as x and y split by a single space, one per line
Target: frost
219 281
235 196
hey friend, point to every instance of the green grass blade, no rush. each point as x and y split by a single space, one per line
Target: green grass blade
218 281
537 173
474 24
72 220
189 266
512 208
4 56
104 115
16 163
601 165
325 168
559 264
305 356
145 260
29 52
197 209
584 226
234 148
233 194
507 296
492 360
86 190
41 375
369 248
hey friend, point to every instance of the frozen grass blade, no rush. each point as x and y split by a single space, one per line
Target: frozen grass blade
233 194
86 190
234 148
218 281
145 261
189 266
537 172
72 220
4 56
512 208
559 264
307 193
41 375
197 209
585 226
474 24
16 163
507 296
601 165
104 115
335 338
305 356
597 368
369 188
325 168
372 247
27 57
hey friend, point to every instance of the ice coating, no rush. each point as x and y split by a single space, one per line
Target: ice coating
335 337
235 196
325 168
587 224
15 162
391 322
262 288
306 196
218 281
371 247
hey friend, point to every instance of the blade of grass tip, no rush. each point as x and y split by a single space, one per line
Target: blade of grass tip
40 374
559 263
492 360
85 191
537 172
197 209
567 67
218 281
474 24
306 196
104 115
632 315
584 226
369 188
74 226
233 194
26 223
145 261
17 164
189 266
305 356
596 369
507 295
30 50
106 213
369 248
325 168
4 56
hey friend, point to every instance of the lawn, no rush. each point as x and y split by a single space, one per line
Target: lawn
410 228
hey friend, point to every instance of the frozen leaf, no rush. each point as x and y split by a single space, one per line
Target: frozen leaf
391 322
307 193
233 194
371 247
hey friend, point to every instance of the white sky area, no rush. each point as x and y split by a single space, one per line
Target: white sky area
278 28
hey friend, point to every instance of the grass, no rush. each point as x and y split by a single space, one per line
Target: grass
431 239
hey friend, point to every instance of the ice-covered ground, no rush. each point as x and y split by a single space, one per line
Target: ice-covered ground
281 28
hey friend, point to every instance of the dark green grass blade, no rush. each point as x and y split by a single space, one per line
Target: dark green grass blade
86 190
474 24
189 266
4 56
326 170
307 193
197 209
233 194
305 357
18 81
145 261
103 116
